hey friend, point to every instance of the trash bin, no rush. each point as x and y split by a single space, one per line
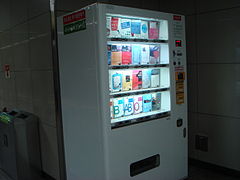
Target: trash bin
19 145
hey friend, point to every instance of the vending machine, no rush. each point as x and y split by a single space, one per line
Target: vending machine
123 93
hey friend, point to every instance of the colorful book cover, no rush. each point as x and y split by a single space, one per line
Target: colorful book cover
136 54
155 78
115 27
144 30
126 54
116 81
146 78
109 53
108 19
138 104
116 55
128 106
136 79
145 53
125 29
136 28
156 101
111 108
118 109
127 80
147 102
154 54
153 30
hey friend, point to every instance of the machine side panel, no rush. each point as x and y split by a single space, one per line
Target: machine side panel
82 126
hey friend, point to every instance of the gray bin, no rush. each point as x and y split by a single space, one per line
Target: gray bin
19 145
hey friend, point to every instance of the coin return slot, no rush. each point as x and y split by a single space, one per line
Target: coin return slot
144 165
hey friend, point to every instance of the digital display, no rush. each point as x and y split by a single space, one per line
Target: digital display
178 43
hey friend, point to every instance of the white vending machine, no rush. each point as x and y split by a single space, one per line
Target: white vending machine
123 93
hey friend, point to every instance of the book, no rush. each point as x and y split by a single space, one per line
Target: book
136 28
136 54
116 81
115 27
147 102
128 106
153 30
118 107
154 54
136 79
109 53
156 101
138 104
127 80
144 30
155 78
125 28
108 24
146 78
116 58
126 54
145 53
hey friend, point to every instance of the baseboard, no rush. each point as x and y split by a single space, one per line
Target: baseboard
214 167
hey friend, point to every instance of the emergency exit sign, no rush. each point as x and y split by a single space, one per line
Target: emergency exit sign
74 22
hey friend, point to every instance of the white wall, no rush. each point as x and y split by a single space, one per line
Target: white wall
25 44
214 81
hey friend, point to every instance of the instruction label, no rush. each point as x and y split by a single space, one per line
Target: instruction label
74 22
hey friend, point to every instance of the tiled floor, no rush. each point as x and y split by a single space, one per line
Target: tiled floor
195 173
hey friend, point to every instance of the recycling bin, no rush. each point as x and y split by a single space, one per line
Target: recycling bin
19 145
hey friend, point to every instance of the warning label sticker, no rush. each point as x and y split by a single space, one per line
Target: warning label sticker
74 22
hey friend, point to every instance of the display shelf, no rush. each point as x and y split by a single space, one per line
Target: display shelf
133 119
137 92
114 40
134 66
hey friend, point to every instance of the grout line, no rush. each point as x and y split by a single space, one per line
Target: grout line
212 114
218 63
217 10
23 22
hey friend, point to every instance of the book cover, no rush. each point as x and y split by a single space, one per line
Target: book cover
108 24
136 28
109 53
125 30
128 106
118 109
115 27
153 30
154 54
147 102
136 54
111 108
126 54
136 79
116 81
116 58
144 30
138 104
145 53
155 78
127 80
156 101
146 78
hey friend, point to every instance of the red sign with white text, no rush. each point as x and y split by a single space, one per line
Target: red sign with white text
177 18
77 16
